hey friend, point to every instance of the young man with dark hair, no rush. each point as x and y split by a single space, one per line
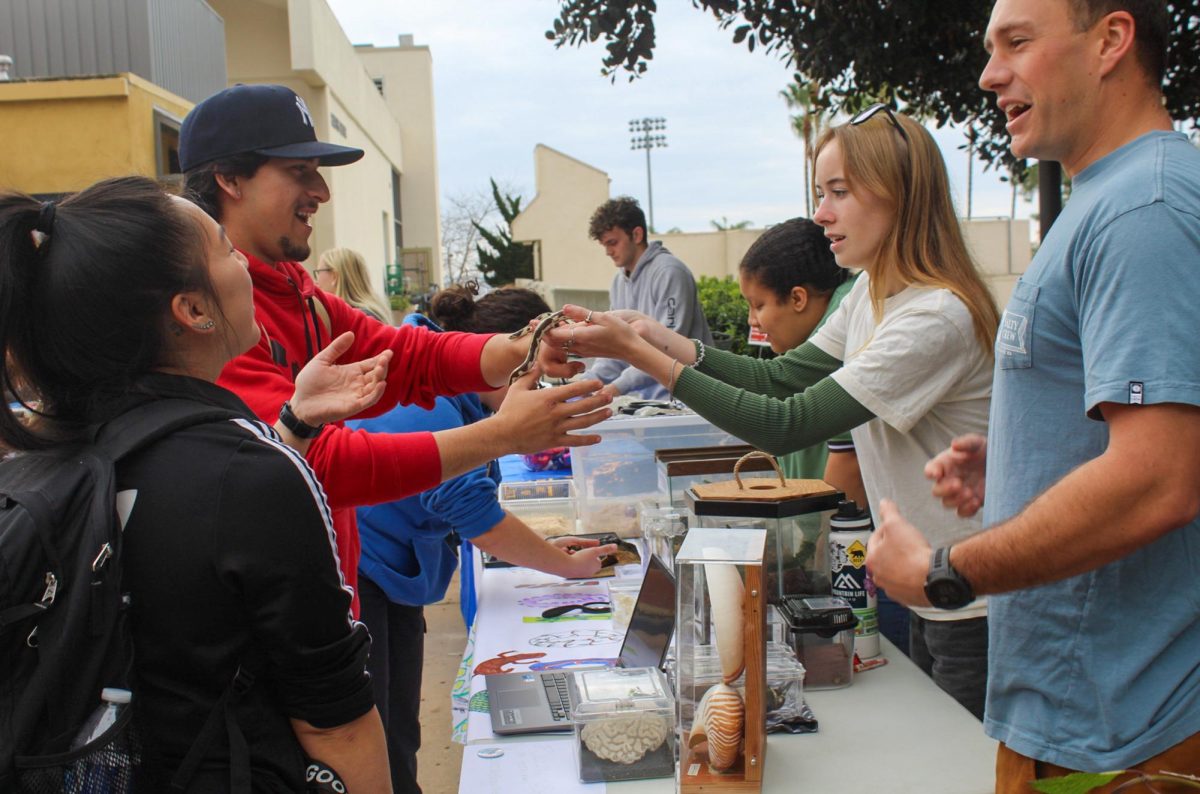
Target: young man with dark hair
649 280
251 158
1090 471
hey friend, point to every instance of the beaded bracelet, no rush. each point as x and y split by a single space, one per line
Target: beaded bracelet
671 382
700 350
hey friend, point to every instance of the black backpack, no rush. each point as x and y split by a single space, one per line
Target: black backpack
63 626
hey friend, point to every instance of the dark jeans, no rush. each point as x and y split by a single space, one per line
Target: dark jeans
893 621
397 654
954 654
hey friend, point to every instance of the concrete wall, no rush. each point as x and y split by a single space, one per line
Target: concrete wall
406 72
568 191
299 43
63 135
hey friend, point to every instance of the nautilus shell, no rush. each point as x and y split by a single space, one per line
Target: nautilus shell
720 722
727 595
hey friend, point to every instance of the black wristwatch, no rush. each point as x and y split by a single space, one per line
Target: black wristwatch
945 587
299 427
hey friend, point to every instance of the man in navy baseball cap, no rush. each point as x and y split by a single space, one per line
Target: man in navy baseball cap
270 120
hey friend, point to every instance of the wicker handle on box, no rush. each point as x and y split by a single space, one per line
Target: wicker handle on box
737 468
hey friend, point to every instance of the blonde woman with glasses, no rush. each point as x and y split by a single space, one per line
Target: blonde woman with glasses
904 363
343 272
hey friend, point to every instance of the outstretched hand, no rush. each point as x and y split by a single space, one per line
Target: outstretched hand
591 333
898 557
533 419
585 555
328 392
959 474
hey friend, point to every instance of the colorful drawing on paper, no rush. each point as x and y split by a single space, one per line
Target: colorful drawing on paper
479 702
547 600
577 638
567 618
568 664
500 664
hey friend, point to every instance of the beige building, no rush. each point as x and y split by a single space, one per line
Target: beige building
66 134
572 267
377 99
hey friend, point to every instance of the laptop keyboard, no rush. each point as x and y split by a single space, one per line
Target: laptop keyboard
556 693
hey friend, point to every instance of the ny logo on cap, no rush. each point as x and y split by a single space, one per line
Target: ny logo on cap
304 111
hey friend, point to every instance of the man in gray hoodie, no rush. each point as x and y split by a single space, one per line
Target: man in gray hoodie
650 280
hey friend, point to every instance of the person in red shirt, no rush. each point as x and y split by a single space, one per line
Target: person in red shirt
251 157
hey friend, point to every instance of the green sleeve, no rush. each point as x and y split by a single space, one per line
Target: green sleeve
777 425
780 377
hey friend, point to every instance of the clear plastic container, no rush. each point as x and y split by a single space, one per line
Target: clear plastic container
622 466
622 595
624 725
663 530
546 506
821 631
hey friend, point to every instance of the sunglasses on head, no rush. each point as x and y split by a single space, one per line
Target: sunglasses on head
866 115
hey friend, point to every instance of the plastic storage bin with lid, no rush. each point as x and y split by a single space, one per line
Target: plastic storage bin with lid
624 725
613 476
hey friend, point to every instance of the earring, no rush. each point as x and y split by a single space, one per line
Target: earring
205 326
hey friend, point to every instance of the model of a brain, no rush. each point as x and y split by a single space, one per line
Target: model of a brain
625 740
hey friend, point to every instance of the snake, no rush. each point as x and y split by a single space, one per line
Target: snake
545 323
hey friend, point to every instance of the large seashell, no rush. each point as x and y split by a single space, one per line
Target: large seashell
726 594
624 740
720 721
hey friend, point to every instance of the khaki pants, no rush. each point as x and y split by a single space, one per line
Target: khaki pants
1014 771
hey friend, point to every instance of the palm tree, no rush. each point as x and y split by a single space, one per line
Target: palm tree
807 123
724 225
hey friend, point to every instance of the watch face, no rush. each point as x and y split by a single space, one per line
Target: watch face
945 593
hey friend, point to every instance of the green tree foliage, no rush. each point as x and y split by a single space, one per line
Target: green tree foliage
501 260
852 48
726 310
726 225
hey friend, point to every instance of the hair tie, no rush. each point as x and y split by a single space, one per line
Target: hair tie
45 218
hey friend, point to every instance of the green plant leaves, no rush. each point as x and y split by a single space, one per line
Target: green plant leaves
1075 783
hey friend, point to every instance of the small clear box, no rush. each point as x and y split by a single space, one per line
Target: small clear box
821 631
624 725
548 507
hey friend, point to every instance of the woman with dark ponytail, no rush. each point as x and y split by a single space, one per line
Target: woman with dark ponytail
121 295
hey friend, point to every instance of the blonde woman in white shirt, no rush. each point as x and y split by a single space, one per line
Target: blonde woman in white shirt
905 362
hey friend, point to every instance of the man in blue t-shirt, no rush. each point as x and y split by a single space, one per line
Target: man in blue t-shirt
1092 554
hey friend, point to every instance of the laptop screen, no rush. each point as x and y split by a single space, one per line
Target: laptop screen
653 619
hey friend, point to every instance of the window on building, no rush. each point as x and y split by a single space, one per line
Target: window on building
398 231
166 147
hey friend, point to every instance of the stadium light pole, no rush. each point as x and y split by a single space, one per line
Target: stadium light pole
646 134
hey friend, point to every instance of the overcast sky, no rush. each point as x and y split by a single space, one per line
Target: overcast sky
501 88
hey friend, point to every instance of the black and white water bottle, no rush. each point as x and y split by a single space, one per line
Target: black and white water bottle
849 532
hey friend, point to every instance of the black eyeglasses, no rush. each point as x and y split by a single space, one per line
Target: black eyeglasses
864 116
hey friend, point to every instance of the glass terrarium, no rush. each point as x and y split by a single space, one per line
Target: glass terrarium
795 515
721 719
682 468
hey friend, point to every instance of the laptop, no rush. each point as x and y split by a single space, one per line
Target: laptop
542 702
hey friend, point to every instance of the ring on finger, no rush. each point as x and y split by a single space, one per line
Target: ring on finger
588 319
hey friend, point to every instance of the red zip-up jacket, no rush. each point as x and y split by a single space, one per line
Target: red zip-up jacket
355 467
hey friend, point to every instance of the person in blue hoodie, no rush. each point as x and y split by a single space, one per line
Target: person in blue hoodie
410 547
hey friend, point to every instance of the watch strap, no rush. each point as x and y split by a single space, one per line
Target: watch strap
296 425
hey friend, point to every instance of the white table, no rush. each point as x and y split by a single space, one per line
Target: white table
893 730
